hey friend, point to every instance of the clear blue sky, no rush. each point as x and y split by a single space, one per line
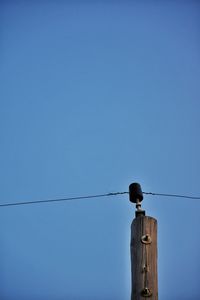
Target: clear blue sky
95 95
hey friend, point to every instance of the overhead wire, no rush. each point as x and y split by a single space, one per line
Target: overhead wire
172 195
94 196
62 199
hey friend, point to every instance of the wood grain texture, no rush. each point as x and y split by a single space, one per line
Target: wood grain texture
144 258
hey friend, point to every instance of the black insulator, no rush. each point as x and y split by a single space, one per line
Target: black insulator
135 192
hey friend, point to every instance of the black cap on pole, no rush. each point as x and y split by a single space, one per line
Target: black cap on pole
136 196
135 192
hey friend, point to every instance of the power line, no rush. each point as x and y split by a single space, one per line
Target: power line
172 195
96 196
63 199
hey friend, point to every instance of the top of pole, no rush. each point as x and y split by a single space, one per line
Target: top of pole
136 196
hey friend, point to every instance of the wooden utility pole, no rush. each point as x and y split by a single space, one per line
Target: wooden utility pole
143 250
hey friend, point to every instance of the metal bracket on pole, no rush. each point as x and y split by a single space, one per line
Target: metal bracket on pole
146 292
146 239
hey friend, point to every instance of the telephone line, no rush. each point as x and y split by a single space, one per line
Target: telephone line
63 199
95 196
172 195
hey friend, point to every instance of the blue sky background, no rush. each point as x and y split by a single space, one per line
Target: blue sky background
96 95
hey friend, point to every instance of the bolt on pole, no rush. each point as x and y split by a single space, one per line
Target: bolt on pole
143 249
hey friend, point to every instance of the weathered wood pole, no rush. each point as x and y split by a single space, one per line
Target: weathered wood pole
143 251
